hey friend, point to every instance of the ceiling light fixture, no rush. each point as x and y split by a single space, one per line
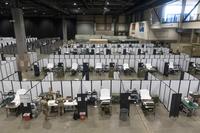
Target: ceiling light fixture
107 3
6 3
75 4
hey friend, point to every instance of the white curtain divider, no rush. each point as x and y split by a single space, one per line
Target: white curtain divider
86 86
3 69
76 88
116 86
96 85
1 86
175 85
16 85
162 91
45 86
166 96
166 82
66 85
155 88
136 84
26 85
186 76
12 67
145 84
126 86
8 69
7 86
105 84
184 87
194 84
56 86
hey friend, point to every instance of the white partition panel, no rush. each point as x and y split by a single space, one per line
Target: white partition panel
126 61
155 88
16 85
132 63
166 82
116 86
166 96
194 84
45 62
120 62
96 85
68 62
86 86
175 85
8 69
92 63
80 61
103 61
108 61
7 86
76 88
15 65
125 85
26 85
3 69
184 87
162 91
66 85
1 86
46 86
106 84
12 69
56 86
136 85
145 84
186 76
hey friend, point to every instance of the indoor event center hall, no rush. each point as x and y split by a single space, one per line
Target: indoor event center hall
102 66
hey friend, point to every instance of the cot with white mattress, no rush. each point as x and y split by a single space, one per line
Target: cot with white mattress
74 68
149 67
147 102
15 104
98 67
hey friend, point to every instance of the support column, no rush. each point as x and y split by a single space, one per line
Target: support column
64 27
192 36
181 19
20 35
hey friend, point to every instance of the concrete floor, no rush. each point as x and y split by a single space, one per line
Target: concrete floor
137 123
93 76
175 76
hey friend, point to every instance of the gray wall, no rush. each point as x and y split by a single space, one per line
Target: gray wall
85 27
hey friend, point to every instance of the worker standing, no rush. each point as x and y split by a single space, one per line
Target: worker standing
45 108
60 101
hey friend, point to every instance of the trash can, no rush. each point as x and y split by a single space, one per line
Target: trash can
123 114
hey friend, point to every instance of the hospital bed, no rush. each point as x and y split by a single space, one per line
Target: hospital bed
15 104
150 68
147 102
50 66
74 68
98 67
126 68
105 101
173 68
